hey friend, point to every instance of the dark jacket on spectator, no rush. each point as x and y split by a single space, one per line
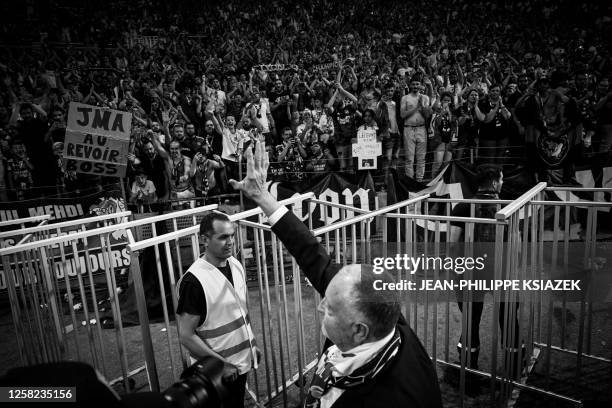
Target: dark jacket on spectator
410 380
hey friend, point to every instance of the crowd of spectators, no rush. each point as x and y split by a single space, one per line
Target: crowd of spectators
504 81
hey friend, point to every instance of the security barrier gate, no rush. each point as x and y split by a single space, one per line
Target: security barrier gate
533 239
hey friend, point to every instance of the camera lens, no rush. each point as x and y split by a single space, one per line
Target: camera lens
200 386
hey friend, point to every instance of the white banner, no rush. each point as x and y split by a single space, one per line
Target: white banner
97 140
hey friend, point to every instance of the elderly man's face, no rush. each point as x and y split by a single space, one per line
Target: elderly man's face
341 322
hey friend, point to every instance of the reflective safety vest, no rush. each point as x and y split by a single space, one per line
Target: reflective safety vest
227 328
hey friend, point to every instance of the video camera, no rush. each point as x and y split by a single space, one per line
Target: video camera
200 386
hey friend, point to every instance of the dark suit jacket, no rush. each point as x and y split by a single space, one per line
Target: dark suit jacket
410 380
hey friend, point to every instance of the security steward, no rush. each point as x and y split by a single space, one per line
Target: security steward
212 310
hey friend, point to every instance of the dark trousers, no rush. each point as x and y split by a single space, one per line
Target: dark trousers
231 170
474 329
236 391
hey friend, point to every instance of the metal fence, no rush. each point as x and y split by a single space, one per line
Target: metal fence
532 237
49 268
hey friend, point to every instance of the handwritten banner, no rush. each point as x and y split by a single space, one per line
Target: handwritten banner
97 140
367 149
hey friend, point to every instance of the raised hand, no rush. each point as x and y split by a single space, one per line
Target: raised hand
254 184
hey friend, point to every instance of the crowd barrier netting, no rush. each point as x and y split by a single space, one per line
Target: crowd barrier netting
533 239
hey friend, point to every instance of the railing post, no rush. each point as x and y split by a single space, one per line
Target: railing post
143 318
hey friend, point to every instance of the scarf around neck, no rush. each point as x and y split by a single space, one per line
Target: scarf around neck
338 371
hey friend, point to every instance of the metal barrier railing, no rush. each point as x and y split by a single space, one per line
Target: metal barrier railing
285 359
34 269
519 254
284 314
169 351
23 221
41 273
42 230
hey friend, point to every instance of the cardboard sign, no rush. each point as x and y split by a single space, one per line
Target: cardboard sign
97 140
367 149
366 135
99 121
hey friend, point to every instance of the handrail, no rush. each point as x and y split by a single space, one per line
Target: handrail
370 214
255 225
137 246
341 206
24 239
257 210
577 188
25 220
574 203
468 200
180 213
27 237
428 217
64 224
517 204
102 230
160 239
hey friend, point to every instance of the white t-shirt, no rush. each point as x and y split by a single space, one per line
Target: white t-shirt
147 189
232 142
323 122
258 113
216 98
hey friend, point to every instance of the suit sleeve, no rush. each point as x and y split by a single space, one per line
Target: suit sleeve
304 247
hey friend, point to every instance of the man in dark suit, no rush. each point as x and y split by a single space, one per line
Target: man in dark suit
372 358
